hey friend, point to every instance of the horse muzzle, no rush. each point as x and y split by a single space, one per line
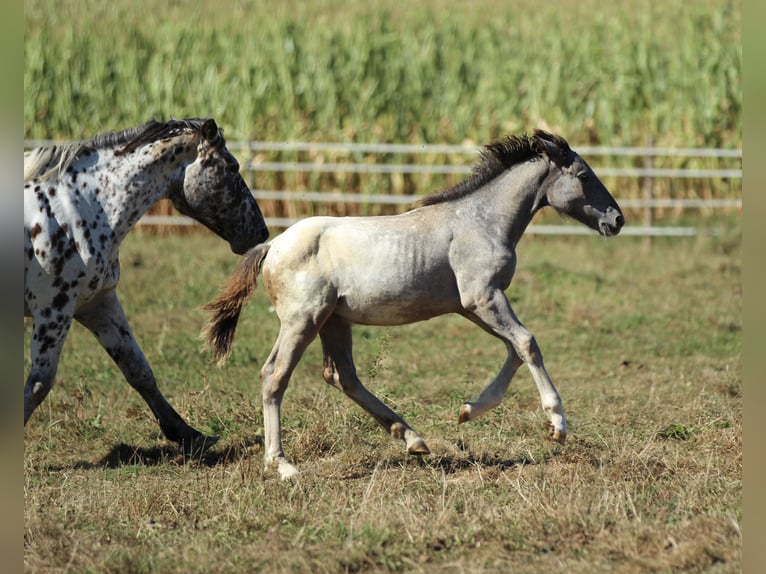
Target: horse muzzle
612 223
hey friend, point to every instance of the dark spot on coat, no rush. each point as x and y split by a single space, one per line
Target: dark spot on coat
60 300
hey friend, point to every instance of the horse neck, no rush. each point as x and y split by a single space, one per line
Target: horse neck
509 202
137 180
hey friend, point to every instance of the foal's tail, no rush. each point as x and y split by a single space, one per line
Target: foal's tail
219 331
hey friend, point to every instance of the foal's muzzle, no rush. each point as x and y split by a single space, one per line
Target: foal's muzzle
612 223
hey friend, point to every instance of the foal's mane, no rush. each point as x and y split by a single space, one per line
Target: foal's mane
43 162
496 157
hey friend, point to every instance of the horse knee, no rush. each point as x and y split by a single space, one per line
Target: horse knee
273 386
528 349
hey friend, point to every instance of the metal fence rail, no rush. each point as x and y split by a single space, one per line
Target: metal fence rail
252 149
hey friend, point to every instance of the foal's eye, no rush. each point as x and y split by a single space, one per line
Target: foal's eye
583 176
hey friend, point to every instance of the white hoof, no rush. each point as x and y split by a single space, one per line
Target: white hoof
287 470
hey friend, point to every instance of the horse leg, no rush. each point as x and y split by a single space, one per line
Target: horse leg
48 338
104 317
275 375
495 315
492 395
339 371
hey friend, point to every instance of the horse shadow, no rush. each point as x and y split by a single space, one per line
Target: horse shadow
122 454
447 464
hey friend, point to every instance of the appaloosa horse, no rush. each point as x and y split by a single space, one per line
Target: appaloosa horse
454 253
80 201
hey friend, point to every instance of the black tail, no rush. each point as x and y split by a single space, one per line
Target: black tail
219 331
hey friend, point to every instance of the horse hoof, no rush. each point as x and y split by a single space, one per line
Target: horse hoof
558 435
464 415
418 447
287 470
198 445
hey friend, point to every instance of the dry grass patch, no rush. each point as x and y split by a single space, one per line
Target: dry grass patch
643 345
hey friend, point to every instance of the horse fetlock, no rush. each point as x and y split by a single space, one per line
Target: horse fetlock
331 376
464 414
34 394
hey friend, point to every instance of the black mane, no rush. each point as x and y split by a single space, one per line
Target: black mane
497 157
151 131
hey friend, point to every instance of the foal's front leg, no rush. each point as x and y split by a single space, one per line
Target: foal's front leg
494 314
48 338
105 318
493 393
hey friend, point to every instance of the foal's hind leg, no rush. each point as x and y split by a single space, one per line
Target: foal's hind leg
340 372
104 317
275 375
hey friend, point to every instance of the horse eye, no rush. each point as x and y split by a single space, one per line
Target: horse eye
583 176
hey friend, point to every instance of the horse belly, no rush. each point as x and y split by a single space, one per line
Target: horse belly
370 300
388 313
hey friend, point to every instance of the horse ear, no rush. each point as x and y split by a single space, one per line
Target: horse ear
555 147
210 130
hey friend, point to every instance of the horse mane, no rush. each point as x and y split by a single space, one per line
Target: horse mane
45 161
495 158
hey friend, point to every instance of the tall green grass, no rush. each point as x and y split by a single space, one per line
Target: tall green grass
615 73
634 72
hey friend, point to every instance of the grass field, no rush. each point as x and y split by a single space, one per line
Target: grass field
642 340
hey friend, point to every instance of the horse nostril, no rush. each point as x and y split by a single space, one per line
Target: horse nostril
620 220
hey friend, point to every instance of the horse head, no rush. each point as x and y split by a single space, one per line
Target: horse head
215 194
572 188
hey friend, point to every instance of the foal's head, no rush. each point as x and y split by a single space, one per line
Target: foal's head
572 188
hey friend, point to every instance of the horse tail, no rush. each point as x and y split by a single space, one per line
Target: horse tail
218 333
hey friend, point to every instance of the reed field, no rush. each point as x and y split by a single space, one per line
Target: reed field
644 345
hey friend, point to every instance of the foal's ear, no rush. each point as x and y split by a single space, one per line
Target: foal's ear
210 130
555 147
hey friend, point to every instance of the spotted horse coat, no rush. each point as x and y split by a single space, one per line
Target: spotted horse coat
80 201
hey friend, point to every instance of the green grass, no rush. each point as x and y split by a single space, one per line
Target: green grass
643 340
